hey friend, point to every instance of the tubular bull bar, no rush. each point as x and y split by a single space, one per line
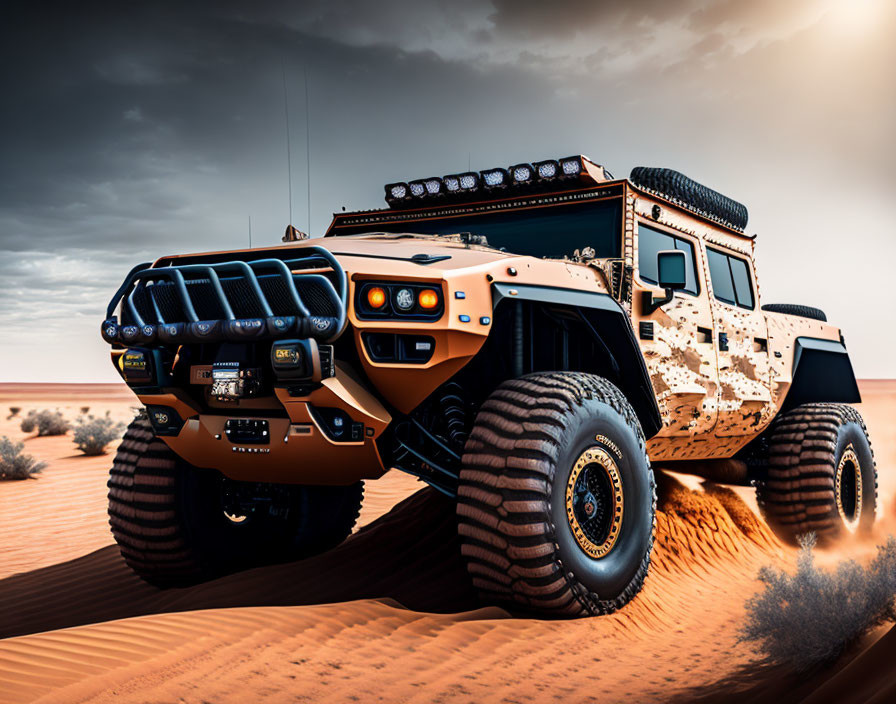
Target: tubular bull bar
229 301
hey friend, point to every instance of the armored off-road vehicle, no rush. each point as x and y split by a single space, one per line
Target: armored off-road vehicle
526 340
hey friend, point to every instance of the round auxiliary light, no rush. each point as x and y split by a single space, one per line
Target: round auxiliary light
547 169
376 297
468 181
522 173
452 183
428 299
433 186
399 191
571 167
404 299
417 188
494 177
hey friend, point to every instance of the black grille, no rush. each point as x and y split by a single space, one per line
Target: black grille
205 302
256 299
242 298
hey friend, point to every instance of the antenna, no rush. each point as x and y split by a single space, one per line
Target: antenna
250 232
307 150
288 151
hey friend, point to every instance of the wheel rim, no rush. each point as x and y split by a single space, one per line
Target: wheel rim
594 502
849 488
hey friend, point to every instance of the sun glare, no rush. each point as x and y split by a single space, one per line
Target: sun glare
856 15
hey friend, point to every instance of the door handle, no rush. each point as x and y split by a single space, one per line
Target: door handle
723 341
704 335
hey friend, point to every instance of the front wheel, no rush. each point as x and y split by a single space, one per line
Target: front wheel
176 524
556 498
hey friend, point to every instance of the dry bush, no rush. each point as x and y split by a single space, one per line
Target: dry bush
85 409
46 422
93 434
14 464
809 618
13 412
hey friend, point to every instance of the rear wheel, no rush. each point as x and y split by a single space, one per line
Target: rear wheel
820 476
176 524
556 497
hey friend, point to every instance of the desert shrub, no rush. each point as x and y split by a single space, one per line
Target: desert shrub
13 412
46 422
85 409
809 618
93 434
14 464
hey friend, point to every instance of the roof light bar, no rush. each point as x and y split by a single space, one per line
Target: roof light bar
558 174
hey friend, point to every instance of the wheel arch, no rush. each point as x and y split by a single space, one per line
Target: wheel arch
610 329
822 372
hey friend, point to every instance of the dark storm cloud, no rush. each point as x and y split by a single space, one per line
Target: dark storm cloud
131 130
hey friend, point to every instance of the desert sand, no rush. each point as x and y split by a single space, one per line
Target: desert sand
388 615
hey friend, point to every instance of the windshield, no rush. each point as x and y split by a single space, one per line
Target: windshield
550 231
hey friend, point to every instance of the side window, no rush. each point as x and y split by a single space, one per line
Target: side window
650 243
730 279
743 288
720 273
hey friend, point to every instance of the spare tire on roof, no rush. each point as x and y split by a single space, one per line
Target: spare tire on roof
684 191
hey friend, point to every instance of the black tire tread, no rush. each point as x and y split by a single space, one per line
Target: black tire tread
503 509
797 494
678 188
796 309
143 512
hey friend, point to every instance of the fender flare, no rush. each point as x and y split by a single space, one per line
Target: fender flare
612 328
821 372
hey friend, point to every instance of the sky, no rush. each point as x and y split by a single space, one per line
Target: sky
130 130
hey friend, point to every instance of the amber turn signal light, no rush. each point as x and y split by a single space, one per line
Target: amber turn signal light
376 297
428 299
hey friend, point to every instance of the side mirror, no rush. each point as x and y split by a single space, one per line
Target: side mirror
671 266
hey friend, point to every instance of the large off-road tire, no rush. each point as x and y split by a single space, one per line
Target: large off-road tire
820 476
169 520
556 498
796 309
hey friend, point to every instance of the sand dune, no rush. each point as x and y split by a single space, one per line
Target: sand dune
708 544
387 616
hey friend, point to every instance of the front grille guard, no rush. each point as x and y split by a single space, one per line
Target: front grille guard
292 317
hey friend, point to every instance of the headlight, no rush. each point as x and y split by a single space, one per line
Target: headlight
376 297
404 299
386 300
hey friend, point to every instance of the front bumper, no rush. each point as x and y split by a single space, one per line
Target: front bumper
298 449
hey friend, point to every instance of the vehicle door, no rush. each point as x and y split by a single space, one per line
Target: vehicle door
676 339
741 344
